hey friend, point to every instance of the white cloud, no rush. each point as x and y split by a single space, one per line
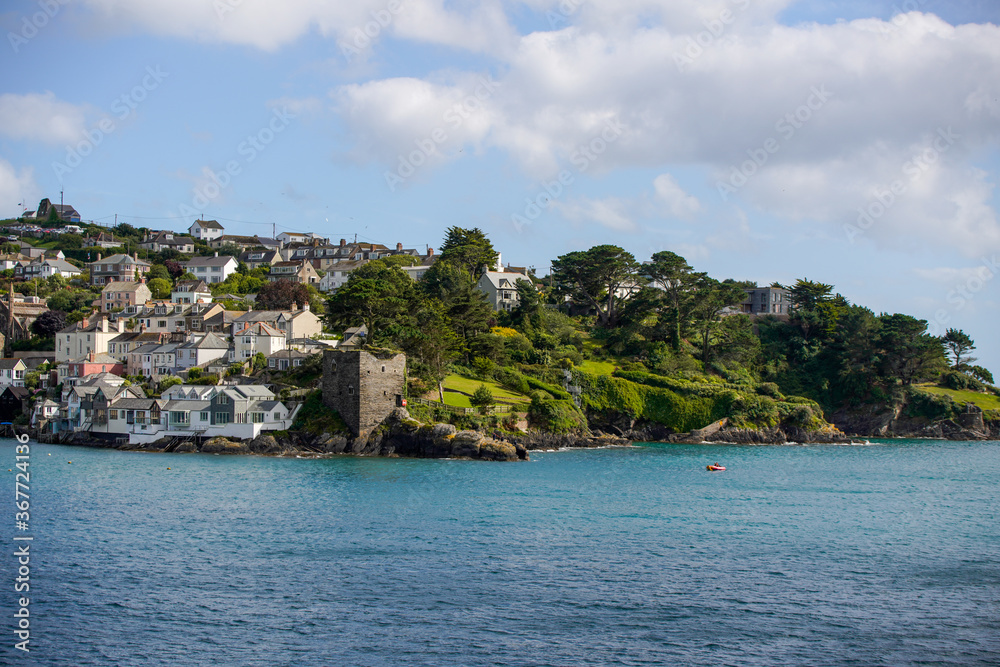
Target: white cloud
611 213
18 186
269 25
41 117
679 203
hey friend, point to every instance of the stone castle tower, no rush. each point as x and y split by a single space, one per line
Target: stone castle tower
363 387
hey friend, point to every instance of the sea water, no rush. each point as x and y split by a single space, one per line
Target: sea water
885 554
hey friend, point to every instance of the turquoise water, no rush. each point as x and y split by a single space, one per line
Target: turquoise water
887 554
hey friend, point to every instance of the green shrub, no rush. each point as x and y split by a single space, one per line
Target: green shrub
769 389
558 392
556 416
512 379
960 381
315 417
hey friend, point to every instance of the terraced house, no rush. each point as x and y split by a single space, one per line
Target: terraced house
212 269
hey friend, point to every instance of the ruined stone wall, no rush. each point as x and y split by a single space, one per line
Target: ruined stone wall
363 388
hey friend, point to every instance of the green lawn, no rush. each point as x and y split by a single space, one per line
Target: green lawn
984 401
597 367
468 385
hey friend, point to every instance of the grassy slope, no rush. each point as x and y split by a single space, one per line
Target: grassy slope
469 385
984 401
597 367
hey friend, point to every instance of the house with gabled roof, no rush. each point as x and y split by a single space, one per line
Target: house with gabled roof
119 295
206 230
500 288
256 337
12 372
165 240
212 269
199 350
191 291
118 268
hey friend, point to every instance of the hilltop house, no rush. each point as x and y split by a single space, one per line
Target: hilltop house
294 323
65 212
767 301
206 230
500 288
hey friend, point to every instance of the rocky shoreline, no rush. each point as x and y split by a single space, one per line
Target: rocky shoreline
402 436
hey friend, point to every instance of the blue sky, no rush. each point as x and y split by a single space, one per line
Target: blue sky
750 136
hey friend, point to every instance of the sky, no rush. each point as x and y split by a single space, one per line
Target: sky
852 142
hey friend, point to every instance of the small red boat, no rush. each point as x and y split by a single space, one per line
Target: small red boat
715 468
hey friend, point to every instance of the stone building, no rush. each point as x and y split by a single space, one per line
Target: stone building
363 387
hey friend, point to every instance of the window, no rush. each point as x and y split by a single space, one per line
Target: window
241 418
112 414
222 418
204 416
162 324
180 417
130 416
223 399
257 417
140 416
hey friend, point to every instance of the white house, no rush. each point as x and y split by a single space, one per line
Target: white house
199 350
212 269
12 373
81 338
206 230
191 291
254 338
500 288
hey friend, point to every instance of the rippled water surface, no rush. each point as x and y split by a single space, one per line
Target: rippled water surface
887 554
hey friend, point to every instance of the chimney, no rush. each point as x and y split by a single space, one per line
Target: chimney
343 242
135 256
91 355
305 306
104 324
399 247
85 322
121 325
216 253
98 257
430 252
295 307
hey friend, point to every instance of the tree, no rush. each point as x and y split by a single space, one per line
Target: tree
602 277
672 274
379 295
907 352
959 345
280 295
49 323
469 249
174 268
160 287
482 398
158 271
431 343
710 298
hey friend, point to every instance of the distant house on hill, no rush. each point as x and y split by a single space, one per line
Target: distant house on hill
206 230
65 212
767 301
103 240
500 288
159 241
